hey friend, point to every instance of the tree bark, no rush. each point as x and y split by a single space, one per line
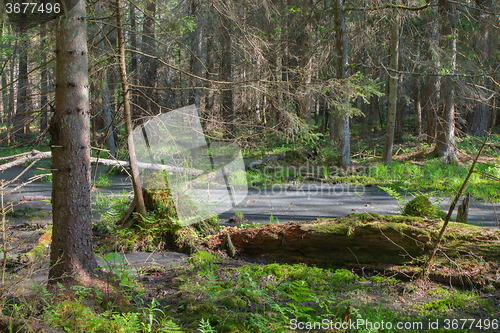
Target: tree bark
105 95
44 83
478 121
418 108
306 73
445 142
12 110
147 100
226 68
393 92
5 92
198 47
342 137
71 252
136 183
432 83
20 117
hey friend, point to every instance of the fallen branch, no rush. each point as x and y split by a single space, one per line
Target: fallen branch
36 155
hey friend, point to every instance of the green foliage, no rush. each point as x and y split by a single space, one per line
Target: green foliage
376 314
205 327
421 206
273 219
115 263
454 299
102 181
202 259
74 316
300 293
440 179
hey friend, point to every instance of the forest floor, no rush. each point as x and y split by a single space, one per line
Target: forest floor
175 292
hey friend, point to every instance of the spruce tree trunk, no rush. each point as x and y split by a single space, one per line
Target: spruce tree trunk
226 68
478 121
393 93
105 95
341 119
198 41
147 100
445 142
44 82
5 92
22 86
71 252
418 107
12 110
305 100
432 83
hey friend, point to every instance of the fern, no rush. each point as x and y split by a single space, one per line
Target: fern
205 327
171 327
300 293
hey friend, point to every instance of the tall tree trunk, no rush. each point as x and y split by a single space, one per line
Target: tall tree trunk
105 95
44 82
12 105
147 101
342 137
210 98
133 44
226 68
5 92
432 83
22 85
306 74
478 121
393 92
136 183
445 142
198 41
71 252
418 107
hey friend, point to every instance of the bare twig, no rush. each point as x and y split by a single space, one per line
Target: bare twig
426 268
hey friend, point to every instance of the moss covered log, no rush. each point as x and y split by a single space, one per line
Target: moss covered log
364 238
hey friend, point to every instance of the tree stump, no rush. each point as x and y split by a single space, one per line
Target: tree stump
463 210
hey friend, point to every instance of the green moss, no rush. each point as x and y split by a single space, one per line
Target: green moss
457 300
37 252
233 302
348 225
202 258
421 206
73 316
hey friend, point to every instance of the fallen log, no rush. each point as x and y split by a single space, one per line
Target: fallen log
362 238
36 155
